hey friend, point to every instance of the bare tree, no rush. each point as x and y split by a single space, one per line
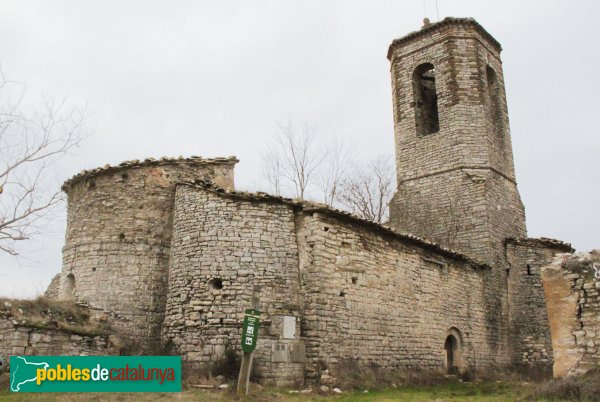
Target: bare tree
292 159
338 159
369 189
272 170
297 161
30 145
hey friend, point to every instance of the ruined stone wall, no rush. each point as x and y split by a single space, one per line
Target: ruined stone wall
572 291
223 248
53 289
118 238
27 340
374 299
530 339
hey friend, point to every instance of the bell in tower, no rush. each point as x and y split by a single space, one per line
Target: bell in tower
456 179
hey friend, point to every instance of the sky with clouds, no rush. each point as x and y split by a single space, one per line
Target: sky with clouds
213 78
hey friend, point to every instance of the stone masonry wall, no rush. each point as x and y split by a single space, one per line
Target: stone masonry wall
223 248
118 238
362 292
456 186
27 340
530 340
572 290
446 207
374 299
280 355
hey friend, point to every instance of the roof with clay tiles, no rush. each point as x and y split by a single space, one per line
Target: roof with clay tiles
136 163
309 206
428 29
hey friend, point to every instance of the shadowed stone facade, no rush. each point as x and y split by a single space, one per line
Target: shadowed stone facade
170 253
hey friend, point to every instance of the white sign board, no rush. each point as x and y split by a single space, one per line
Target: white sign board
289 327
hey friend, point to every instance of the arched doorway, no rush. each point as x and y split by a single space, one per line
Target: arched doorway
451 348
453 351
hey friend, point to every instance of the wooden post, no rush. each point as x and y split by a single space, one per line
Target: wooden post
244 378
243 384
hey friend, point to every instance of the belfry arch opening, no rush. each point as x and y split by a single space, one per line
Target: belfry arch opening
495 105
453 351
427 119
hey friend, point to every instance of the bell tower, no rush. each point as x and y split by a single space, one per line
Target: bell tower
456 179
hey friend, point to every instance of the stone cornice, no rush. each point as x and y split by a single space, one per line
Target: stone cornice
133 164
427 30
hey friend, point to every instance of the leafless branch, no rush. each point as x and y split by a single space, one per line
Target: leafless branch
30 146
334 169
369 190
272 170
292 159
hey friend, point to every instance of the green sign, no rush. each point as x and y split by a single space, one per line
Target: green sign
250 330
95 373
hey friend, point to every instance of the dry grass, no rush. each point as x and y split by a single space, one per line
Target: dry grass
582 388
457 392
350 375
582 266
46 313
513 373
417 386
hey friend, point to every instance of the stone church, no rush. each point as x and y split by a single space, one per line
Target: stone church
172 254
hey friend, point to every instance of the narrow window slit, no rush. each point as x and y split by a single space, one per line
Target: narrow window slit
495 104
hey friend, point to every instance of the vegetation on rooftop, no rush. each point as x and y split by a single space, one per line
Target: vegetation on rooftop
583 265
44 313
